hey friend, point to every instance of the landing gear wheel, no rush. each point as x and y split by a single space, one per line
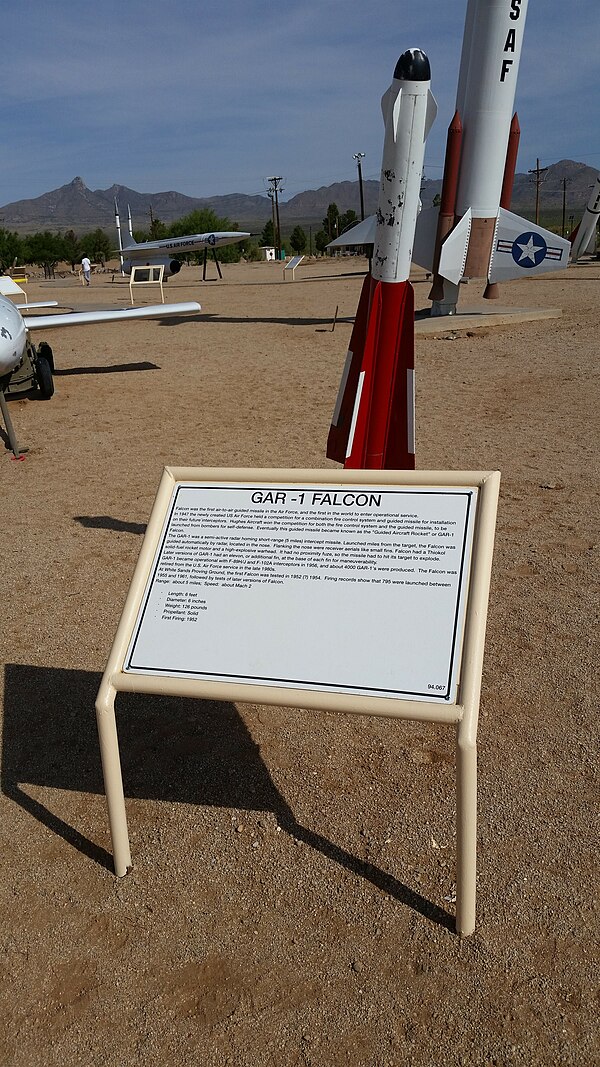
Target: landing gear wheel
43 349
44 378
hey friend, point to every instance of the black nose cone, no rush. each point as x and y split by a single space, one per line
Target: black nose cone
413 66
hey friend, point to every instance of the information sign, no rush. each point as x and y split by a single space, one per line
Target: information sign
356 589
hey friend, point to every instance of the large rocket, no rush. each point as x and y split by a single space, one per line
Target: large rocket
583 235
473 234
484 239
373 421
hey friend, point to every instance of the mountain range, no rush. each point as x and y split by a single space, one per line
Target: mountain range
75 207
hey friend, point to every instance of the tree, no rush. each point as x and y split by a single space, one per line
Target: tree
10 248
436 200
72 251
252 252
45 250
348 219
267 237
97 245
206 221
158 230
331 221
298 239
321 240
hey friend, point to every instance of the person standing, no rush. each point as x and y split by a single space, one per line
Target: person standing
86 267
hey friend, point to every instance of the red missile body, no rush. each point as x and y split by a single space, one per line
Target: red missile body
374 428
446 218
511 163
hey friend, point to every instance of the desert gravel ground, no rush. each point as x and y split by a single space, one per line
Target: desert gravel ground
291 896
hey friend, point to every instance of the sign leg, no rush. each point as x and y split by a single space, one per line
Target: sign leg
113 779
466 832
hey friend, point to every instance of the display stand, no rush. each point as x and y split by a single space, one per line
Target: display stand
147 275
217 264
234 561
290 268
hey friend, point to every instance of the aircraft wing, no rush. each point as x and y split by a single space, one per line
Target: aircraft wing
87 318
37 304
521 248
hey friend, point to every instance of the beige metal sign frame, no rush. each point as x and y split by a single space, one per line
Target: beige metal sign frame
147 274
460 711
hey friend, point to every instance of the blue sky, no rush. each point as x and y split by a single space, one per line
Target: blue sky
209 97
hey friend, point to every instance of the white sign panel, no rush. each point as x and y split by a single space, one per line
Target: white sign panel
349 589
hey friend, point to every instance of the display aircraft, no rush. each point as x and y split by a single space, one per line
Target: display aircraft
161 253
16 346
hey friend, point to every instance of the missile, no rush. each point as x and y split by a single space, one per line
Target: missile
373 422
584 233
485 240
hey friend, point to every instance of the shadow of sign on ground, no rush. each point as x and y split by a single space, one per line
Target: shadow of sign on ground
172 749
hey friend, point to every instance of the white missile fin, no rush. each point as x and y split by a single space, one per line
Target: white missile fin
432 110
425 233
359 389
521 249
385 103
453 254
342 389
363 233
396 113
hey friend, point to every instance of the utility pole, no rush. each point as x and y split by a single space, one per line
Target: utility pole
539 171
274 190
565 182
359 156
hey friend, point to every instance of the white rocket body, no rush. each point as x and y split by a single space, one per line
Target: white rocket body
587 226
487 240
409 110
487 84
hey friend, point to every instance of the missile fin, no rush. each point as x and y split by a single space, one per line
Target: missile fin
453 253
425 234
432 110
522 248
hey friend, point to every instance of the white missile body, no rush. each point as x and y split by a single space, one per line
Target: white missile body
488 241
587 226
373 421
409 110
485 98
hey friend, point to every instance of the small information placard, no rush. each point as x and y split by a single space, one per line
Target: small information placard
357 589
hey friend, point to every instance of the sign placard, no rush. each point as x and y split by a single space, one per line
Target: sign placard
351 590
